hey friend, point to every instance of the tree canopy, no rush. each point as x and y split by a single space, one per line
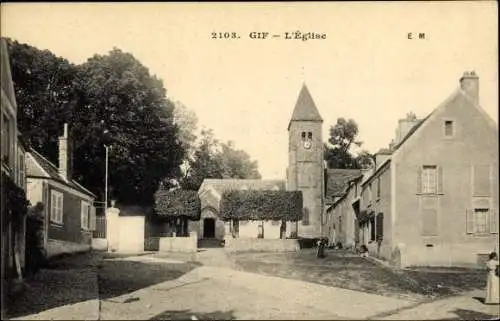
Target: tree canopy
339 148
110 99
214 159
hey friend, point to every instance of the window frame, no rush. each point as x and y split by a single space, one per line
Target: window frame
445 127
56 212
425 183
83 204
6 152
487 214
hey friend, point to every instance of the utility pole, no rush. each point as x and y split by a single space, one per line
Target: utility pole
106 182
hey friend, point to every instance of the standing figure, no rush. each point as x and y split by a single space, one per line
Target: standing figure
492 286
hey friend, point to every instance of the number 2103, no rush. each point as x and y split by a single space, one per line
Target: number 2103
225 35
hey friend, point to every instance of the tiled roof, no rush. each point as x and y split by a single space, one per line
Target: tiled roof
53 172
337 181
222 185
305 109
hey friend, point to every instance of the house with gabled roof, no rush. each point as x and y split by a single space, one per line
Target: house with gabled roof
68 207
432 199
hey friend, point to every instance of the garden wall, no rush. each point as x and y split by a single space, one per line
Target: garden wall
179 244
99 244
57 247
260 245
124 233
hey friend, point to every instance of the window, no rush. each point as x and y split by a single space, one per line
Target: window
481 220
378 187
303 135
448 128
22 175
429 179
56 207
379 225
481 180
6 143
372 229
85 213
309 135
305 216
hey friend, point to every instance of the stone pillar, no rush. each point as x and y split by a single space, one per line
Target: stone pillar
113 228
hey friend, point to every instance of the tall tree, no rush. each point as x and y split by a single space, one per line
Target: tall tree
43 85
119 97
236 163
110 99
213 159
338 150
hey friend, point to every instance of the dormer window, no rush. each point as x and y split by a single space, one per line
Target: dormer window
449 128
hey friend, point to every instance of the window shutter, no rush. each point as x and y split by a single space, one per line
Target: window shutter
92 218
470 221
419 180
440 180
493 221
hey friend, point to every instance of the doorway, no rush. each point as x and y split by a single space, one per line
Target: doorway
208 228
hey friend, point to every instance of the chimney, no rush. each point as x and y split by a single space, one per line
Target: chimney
404 126
381 156
469 83
65 155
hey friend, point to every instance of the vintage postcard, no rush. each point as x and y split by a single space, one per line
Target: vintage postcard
250 160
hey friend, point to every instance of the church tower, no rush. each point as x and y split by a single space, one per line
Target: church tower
305 164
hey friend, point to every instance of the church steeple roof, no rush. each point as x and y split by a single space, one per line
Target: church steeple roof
305 109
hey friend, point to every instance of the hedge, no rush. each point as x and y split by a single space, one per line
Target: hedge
177 203
261 205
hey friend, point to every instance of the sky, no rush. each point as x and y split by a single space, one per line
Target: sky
245 89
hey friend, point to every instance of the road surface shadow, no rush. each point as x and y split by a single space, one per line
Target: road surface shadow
188 315
121 277
66 280
463 314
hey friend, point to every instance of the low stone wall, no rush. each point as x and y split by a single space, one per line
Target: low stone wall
57 247
99 244
260 245
179 244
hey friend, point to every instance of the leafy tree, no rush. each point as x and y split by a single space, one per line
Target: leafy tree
204 163
213 159
45 96
365 160
110 99
119 97
236 163
343 136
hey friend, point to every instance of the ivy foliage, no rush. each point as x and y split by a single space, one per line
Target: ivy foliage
16 204
177 203
261 205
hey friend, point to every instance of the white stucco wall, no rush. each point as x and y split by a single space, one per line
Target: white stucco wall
124 233
250 229
131 234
